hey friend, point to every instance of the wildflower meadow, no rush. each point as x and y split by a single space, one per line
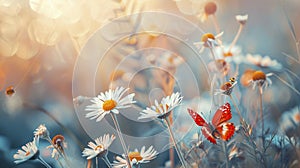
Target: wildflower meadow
149 83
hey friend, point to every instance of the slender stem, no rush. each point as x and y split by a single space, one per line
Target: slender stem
44 162
97 164
236 37
106 160
236 108
216 24
262 124
58 150
175 144
114 118
89 163
65 129
225 150
213 54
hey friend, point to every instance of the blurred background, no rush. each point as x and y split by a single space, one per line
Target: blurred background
41 44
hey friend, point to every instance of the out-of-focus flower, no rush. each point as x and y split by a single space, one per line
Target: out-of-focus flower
223 51
42 132
208 40
219 66
290 119
227 87
59 143
136 157
170 60
110 101
163 109
29 151
247 77
260 79
242 19
10 90
208 8
260 61
99 148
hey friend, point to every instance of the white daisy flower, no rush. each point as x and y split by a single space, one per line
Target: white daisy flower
227 87
59 144
29 151
231 54
163 109
242 19
99 148
110 101
42 132
260 61
136 157
290 119
259 78
208 40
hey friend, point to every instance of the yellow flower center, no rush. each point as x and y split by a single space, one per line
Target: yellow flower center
135 155
207 36
297 117
227 54
258 75
210 8
109 105
27 153
99 147
162 107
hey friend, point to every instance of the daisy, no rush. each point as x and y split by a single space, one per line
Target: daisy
266 61
227 87
163 109
59 143
42 132
260 79
99 148
219 66
208 40
136 157
29 151
110 101
242 19
226 52
290 120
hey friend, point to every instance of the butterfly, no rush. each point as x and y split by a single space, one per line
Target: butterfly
219 128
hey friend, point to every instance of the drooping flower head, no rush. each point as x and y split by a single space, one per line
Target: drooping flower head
99 148
136 157
59 143
242 19
110 101
29 151
163 109
42 132
260 79
227 87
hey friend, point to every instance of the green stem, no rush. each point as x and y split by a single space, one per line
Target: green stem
175 144
114 118
40 159
107 162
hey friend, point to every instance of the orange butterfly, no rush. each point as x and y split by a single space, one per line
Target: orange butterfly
219 128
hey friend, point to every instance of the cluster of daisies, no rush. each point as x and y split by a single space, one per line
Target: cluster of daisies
31 151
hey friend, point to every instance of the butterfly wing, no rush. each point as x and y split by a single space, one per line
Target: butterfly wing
206 131
222 115
226 131
197 118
